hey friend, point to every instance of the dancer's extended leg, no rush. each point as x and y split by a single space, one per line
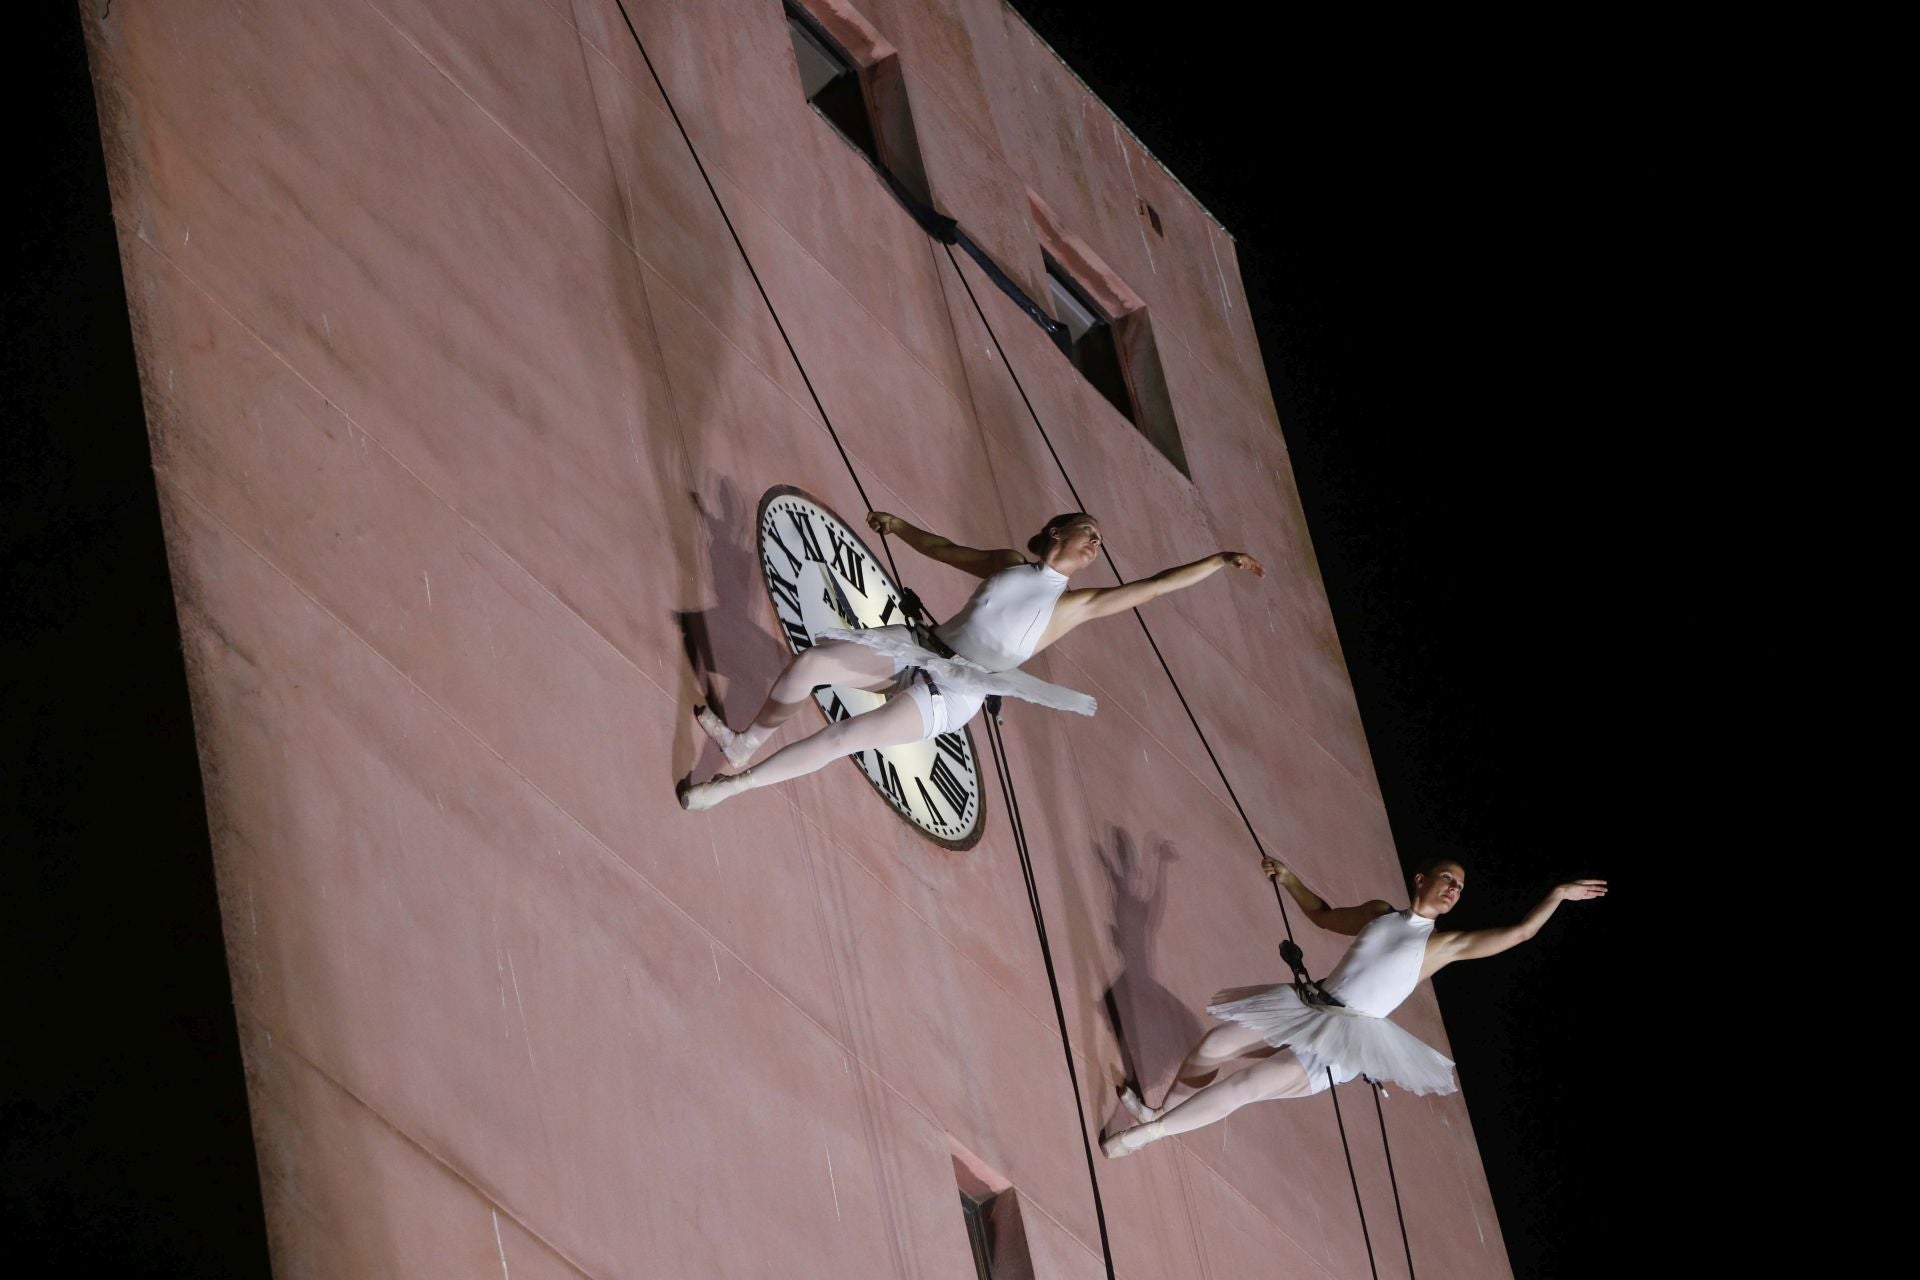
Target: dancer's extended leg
898 720
1215 1050
1281 1076
839 662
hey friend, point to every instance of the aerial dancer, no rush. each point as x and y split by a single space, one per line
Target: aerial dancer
936 681
1291 1045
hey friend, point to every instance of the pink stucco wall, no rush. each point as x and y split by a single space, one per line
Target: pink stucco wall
461 401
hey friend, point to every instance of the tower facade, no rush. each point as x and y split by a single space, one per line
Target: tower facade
473 334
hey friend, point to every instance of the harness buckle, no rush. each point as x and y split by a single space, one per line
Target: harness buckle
1308 988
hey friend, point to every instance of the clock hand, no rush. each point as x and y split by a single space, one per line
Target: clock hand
836 599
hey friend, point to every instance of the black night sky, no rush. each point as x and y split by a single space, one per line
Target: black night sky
1440 244
1444 245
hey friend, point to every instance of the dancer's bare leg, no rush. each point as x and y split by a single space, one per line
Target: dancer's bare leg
1281 1076
898 720
839 662
1202 1065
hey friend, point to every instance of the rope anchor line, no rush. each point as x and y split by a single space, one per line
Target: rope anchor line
1008 791
1258 844
944 231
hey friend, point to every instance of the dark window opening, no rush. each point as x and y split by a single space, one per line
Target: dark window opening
998 1237
1089 341
979 1215
1118 356
831 83
995 1232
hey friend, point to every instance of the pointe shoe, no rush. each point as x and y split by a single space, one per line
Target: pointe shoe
733 746
1136 1107
1128 1141
705 795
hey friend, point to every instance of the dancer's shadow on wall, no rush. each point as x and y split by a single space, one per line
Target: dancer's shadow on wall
1153 1027
728 651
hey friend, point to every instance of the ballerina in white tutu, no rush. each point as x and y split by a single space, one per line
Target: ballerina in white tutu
937 682
1294 1048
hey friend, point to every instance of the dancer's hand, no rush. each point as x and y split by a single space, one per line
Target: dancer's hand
882 523
1271 868
1477 944
1241 560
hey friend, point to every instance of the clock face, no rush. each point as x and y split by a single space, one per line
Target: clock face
820 576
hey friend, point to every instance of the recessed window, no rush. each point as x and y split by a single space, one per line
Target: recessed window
831 82
992 1211
980 1232
1089 341
852 76
1116 354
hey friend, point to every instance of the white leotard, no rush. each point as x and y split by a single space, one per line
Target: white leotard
1000 625
1334 1044
997 629
1382 967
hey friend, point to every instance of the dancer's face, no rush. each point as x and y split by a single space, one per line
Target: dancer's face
1076 546
1440 891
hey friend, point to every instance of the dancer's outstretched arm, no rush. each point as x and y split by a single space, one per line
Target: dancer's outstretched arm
981 564
1477 944
1347 920
1088 603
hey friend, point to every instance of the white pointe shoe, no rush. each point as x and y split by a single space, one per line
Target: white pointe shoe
734 746
1128 1141
707 794
1138 1109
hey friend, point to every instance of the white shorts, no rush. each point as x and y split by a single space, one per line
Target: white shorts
941 712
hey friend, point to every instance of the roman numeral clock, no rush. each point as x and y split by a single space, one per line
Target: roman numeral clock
820 575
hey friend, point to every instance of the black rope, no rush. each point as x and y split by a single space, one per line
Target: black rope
1405 1243
1003 768
1006 284
1333 1091
1258 844
939 225
1194 720
932 223
718 203
1311 992
948 233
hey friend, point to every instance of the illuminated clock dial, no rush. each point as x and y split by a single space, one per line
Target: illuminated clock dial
820 575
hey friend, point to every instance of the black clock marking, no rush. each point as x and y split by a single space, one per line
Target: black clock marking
836 599
950 786
784 592
846 561
792 559
890 779
803 523
932 808
796 634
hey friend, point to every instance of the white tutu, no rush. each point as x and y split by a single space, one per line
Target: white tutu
1348 1041
898 643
